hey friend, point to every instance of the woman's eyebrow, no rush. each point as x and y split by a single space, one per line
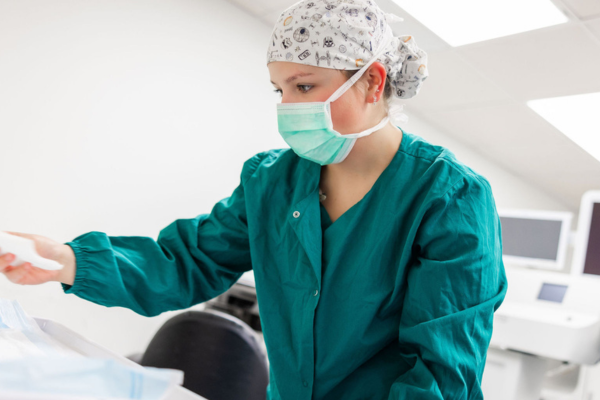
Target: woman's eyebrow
294 77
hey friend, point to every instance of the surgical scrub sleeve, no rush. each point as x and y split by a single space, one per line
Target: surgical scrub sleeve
393 301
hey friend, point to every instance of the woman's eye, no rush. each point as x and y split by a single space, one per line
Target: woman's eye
304 88
301 88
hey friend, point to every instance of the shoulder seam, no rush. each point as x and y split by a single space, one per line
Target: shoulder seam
462 178
453 165
262 156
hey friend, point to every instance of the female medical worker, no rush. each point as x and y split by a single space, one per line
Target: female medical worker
376 255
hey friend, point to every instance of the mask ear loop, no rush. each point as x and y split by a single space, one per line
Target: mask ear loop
342 89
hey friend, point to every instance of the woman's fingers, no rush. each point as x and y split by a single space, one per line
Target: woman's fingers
27 274
17 274
24 274
5 261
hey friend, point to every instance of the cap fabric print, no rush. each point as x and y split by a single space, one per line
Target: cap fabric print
345 35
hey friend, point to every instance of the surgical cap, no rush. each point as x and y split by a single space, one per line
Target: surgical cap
344 35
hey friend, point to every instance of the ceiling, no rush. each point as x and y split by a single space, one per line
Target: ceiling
477 93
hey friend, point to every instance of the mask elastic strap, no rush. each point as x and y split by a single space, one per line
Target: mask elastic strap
377 127
342 89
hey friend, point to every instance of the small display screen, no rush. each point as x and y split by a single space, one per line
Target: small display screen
552 292
592 256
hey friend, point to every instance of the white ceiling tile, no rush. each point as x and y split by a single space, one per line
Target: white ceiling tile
262 8
271 18
520 141
584 9
453 83
550 62
566 183
277 6
255 8
594 27
511 126
549 169
425 38
550 160
497 127
565 189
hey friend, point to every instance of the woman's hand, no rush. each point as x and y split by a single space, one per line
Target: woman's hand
27 274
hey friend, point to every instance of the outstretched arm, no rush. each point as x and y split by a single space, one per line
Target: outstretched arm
192 261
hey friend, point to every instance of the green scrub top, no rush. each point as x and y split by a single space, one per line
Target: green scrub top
394 300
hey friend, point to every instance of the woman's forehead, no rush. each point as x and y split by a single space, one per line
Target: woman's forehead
285 72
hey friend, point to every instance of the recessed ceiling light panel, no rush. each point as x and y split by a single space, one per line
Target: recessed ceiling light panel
575 116
460 22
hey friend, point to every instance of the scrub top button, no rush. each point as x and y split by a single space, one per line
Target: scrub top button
296 214
315 293
305 383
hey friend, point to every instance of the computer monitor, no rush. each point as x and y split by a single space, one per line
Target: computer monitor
586 258
535 238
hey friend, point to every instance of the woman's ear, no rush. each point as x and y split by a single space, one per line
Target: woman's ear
376 76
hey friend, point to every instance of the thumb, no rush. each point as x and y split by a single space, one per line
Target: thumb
25 235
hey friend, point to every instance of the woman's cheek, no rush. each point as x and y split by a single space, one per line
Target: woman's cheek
345 116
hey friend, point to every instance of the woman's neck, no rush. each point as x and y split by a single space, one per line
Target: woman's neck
370 154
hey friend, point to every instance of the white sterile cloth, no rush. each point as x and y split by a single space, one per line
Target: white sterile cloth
20 335
24 250
34 365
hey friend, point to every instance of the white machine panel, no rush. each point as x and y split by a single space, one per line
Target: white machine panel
550 314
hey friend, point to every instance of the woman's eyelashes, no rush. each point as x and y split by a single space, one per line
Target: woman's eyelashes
301 89
304 88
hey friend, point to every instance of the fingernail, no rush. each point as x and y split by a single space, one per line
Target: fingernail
10 257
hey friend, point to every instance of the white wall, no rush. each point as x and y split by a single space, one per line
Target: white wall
123 115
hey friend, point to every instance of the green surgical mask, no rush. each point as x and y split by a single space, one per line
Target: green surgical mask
308 128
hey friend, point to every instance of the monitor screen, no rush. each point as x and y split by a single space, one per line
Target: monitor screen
531 238
592 256
552 292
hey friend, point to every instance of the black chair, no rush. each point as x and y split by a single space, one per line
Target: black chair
218 353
